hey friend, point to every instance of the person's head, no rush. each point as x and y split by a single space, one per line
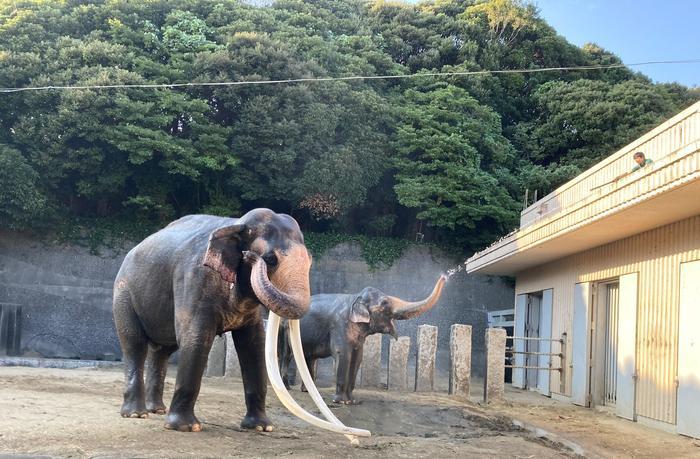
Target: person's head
639 158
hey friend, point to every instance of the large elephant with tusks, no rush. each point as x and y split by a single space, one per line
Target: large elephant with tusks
337 325
197 278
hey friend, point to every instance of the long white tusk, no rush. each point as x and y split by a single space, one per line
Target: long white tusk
273 373
295 339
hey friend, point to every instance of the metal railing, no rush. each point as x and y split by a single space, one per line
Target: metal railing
510 353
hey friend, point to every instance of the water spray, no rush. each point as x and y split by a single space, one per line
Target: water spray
452 271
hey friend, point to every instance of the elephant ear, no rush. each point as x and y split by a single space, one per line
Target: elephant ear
223 253
359 311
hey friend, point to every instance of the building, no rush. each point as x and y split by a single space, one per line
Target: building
612 268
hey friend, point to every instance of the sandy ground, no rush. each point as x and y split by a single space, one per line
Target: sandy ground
599 433
75 413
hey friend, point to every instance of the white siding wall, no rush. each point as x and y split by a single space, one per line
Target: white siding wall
656 256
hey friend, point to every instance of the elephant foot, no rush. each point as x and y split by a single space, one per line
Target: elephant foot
258 422
156 407
344 400
183 422
131 409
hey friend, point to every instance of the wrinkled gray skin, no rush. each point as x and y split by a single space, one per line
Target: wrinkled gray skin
337 325
199 277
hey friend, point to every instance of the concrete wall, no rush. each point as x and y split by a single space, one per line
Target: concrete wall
65 294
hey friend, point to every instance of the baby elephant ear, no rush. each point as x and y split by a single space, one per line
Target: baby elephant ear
223 253
359 311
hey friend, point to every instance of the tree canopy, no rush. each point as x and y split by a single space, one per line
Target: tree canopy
452 154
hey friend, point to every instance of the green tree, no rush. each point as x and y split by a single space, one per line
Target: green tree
22 202
353 156
582 121
452 154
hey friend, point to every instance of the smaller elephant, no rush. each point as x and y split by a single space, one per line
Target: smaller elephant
337 324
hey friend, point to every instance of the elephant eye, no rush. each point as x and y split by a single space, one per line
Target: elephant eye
270 259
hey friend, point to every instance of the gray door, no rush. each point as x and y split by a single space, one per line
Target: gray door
532 330
626 384
518 344
580 348
610 349
689 351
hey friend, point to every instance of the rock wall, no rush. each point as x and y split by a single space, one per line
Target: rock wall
66 295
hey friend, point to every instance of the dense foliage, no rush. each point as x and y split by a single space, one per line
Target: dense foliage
450 157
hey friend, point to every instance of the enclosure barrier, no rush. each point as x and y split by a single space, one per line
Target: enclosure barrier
499 357
223 361
425 359
397 377
460 360
371 367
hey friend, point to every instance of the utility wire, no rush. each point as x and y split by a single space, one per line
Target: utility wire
345 78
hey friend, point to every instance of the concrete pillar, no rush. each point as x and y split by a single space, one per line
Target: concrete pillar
495 364
398 363
460 359
216 362
372 361
425 359
233 368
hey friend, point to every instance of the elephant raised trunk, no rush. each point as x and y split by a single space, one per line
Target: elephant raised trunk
287 293
402 309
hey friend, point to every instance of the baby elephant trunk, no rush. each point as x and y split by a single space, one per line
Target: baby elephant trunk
403 310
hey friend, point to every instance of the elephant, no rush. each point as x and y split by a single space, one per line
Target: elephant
337 324
198 277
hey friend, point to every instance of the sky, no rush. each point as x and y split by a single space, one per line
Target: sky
635 30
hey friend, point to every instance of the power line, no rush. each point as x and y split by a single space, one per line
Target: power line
345 78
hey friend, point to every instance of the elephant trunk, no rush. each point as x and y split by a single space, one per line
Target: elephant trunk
287 294
402 309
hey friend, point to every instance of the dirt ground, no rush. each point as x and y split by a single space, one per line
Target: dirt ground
599 433
75 413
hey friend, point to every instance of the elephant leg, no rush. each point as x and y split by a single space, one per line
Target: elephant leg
156 367
355 361
194 343
134 344
284 351
250 346
311 365
342 361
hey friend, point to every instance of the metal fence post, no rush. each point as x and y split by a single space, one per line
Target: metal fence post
562 357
